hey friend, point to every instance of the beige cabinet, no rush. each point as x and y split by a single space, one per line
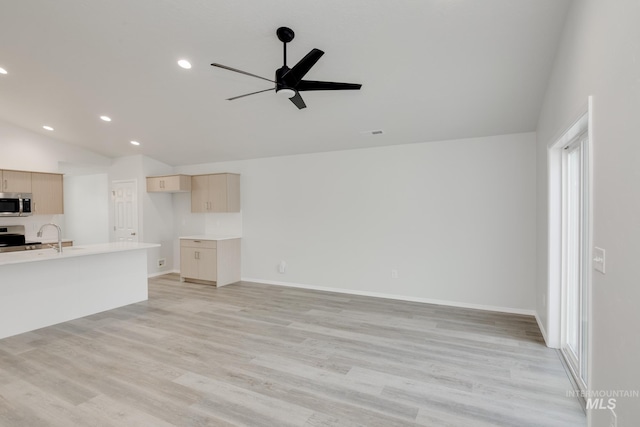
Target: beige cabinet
198 260
210 260
169 184
218 192
47 192
15 181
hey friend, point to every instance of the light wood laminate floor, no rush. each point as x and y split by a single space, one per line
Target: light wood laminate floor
260 355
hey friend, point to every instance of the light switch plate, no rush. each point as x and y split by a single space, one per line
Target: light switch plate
598 259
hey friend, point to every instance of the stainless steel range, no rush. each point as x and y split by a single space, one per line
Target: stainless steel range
12 239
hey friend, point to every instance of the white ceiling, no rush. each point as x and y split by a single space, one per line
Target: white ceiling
430 70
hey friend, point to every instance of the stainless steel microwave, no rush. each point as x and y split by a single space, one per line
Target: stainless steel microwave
15 204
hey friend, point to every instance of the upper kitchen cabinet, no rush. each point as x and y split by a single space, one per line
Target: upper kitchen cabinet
169 184
218 192
15 181
47 193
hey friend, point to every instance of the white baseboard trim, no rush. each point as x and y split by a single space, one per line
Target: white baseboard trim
397 297
543 330
162 273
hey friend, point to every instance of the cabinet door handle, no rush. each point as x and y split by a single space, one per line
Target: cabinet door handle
5 184
161 184
197 255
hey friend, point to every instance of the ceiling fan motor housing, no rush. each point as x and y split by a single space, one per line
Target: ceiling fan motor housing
280 80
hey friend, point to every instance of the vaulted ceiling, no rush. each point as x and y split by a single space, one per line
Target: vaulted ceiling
429 69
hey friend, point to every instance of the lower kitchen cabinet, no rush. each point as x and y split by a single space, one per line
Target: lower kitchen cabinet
210 260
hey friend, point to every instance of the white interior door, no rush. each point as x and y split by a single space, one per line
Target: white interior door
125 211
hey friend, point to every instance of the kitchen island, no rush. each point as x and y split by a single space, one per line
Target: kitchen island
39 288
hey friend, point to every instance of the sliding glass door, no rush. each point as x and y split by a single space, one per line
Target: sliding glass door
576 258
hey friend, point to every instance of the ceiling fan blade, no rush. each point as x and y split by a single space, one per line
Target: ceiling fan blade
314 85
240 71
247 94
302 67
297 100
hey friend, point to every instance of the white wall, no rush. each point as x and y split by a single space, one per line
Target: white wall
155 211
456 219
600 56
25 150
33 223
86 207
157 218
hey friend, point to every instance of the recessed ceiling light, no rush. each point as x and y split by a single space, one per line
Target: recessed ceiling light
184 64
47 127
3 71
105 118
135 143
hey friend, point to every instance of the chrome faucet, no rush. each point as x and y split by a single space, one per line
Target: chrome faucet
59 248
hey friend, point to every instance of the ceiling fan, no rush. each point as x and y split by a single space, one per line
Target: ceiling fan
288 81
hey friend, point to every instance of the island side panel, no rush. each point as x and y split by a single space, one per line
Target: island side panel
228 262
38 294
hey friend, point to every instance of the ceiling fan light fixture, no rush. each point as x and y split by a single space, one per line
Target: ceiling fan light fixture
184 64
286 92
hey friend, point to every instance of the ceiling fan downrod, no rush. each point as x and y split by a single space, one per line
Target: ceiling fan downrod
285 35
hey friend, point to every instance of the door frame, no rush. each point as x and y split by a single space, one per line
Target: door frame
555 230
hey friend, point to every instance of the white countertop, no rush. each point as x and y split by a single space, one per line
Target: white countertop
71 252
212 237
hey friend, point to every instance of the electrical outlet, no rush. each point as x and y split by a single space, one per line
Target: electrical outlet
613 420
161 262
394 274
